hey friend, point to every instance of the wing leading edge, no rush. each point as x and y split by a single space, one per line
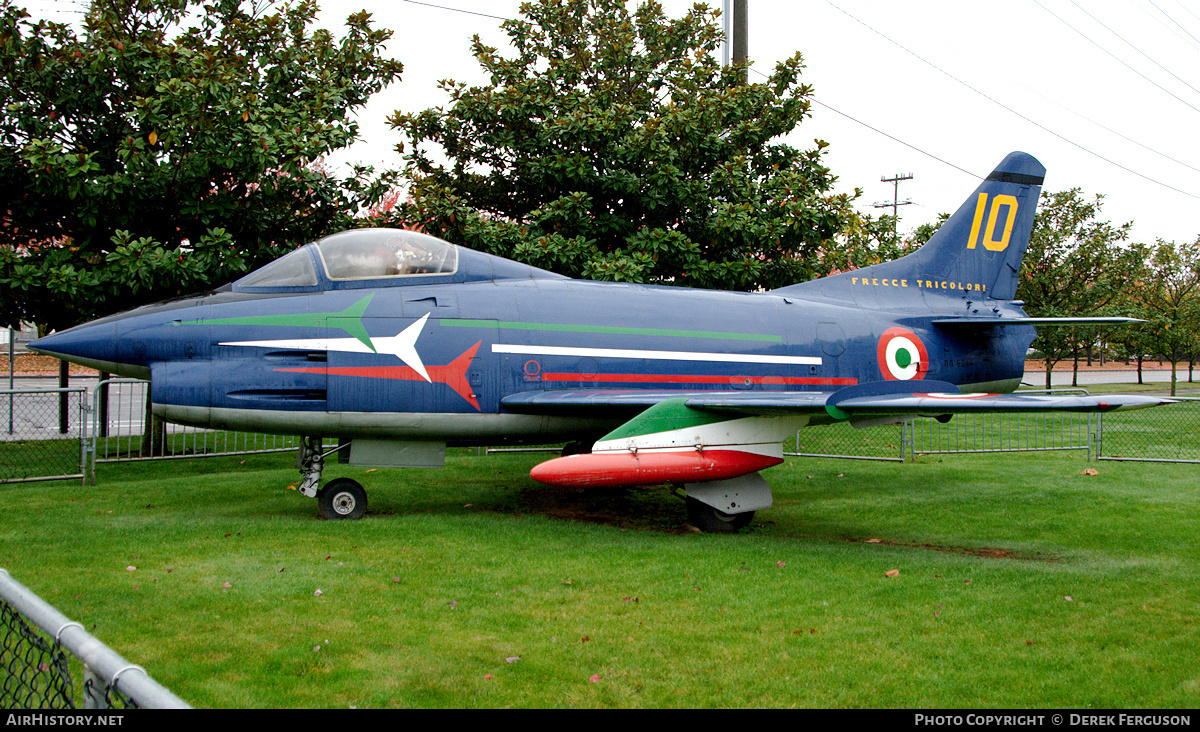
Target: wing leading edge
934 398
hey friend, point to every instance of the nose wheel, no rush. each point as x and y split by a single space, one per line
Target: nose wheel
342 498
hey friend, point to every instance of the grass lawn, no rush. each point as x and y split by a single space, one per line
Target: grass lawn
1022 582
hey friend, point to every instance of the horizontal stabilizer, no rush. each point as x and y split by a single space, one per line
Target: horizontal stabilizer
918 403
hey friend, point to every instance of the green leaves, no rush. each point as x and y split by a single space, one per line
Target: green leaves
128 146
613 146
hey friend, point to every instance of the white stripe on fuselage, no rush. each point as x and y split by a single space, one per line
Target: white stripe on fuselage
654 355
403 345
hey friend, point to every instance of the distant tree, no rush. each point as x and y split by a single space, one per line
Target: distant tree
864 240
613 146
169 146
924 232
1075 265
1169 297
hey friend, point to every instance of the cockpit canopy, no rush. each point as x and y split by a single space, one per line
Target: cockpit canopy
370 258
373 253
358 254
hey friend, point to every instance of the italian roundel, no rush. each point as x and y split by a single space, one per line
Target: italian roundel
902 355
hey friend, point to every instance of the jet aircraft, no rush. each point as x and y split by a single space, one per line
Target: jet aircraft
396 344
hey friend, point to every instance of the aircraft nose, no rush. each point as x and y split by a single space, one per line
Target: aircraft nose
92 344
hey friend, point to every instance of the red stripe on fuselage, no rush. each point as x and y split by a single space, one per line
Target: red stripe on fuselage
649 468
453 374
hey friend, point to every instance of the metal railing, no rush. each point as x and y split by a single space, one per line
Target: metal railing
999 432
37 669
846 442
106 430
118 432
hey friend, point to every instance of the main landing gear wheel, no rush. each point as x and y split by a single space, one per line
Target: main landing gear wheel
342 498
713 521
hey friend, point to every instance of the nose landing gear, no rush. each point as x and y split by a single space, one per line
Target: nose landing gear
341 498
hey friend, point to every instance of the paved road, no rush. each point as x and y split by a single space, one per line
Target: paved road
34 414
1114 376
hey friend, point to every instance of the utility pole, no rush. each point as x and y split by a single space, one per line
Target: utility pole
735 22
896 202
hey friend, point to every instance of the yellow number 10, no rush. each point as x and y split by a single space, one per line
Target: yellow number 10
989 242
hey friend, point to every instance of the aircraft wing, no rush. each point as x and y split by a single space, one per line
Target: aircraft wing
697 436
934 398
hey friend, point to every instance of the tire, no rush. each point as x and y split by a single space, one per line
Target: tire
342 499
712 521
578 447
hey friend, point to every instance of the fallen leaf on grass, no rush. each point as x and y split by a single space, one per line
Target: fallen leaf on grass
1090 471
892 573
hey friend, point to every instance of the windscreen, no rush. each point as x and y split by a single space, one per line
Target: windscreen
290 270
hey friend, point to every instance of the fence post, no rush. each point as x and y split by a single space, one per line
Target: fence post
12 366
64 378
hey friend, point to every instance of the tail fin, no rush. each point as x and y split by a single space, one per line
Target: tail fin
976 253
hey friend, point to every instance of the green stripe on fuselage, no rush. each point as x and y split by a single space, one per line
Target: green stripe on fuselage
611 329
348 320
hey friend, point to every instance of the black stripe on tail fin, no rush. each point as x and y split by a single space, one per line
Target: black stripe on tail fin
975 254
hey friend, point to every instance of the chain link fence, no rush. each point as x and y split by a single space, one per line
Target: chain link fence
963 433
34 667
39 647
44 434
1163 434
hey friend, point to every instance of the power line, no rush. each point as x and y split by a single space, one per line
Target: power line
1176 22
1115 58
1126 42
1033 122
1190 40
457 10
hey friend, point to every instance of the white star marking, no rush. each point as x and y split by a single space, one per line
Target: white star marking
403 345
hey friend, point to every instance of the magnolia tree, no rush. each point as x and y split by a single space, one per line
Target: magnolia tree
168 146
611 144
